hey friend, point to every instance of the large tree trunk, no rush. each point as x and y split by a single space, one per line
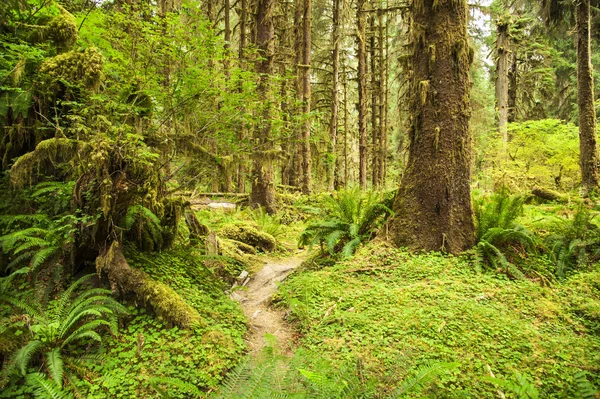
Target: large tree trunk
362 93
588 146
502 65
433 204
333 123
263 187
306 161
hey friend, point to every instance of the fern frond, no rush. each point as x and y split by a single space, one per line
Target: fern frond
41 256
424 376
190 389
22 357
86 331
55 366
43 388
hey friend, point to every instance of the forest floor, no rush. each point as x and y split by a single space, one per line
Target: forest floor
256 303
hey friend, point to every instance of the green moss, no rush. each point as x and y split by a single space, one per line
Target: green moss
62 30
249 235
390 307
75 67
48 151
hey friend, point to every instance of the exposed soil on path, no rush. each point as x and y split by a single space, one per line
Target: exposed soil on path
265 319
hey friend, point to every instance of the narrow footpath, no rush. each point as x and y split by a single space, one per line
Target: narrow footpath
255 301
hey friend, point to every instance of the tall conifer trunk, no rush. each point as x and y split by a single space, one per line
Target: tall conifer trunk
362 93
502 82
589 159
306 93
333 123
242 133
263 188
433 204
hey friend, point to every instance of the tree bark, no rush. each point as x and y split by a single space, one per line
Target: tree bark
502 65
588 144
263 188
362 93
382 87
513 76
433 204
241 161
346 173
297 175
374 105
306 161
333 123
227 37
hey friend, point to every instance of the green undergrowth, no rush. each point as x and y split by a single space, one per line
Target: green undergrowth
395 310
146 347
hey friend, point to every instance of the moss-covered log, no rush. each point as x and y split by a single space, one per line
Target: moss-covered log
433 204
124 280
250 236
549 195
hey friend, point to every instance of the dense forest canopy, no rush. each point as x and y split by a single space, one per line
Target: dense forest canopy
433 165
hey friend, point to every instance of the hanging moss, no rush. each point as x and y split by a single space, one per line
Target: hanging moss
75 68
50 151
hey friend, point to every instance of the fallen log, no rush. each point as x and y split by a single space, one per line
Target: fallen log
546 194
124 280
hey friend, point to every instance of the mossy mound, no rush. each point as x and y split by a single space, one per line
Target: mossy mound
395 311
75 67
62 30
249 235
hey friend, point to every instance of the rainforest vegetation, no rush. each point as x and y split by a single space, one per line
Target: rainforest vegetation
299 199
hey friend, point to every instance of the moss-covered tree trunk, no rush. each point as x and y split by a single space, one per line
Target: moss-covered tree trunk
433 204
502 81
362 93
513 75
335 78
242 132
589 159
306 94
263 187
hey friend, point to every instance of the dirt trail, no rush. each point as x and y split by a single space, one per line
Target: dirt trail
265 319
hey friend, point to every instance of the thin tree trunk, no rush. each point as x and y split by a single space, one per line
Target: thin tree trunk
384 145
502 63
362 93
297 175
433 204
306 93
589 159
227 36
263 187
374 106
346 174
382 103
333 124
241 161
512 87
